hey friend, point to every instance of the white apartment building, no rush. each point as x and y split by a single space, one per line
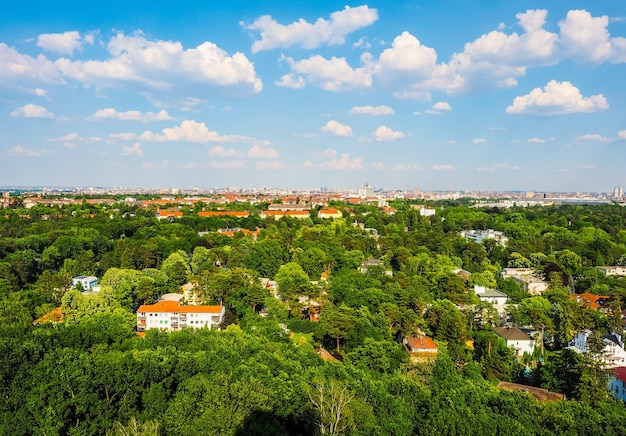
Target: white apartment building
171 316
526 277
479 236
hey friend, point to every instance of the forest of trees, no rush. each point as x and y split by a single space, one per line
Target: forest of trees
92 374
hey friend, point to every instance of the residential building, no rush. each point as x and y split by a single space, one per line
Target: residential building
592 301
528 279
171 316
613 353
374 263
517 339
496 298
87 282
617 383
420 348
168 214
222 213
329 213
278 214
613 270
479 236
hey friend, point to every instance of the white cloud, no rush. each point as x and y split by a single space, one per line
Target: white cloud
442 106
395 168
18 150
21 70
536 140
221 151
479 140
555 99
333 74
534 46
32 111
134 149
188 131
259 152
333 163
110 113
335 128
584 37
291 81
621 134
40 92
166 67
371 110
269 165
595 138
443 167
230 164
362 43
307 35
63 43
384 133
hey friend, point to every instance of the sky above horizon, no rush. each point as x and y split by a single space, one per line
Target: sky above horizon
471 95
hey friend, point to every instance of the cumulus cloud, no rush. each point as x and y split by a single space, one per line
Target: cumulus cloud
584 37
621 134
333 74
343 162
18 150
110 113
443 167
133 149
307 35
479 140
291 81
32 111
23 70
335 128
499 166
395 168
62 43
188 131
442 106
536 140
555 99
384 133
230 164
166 66
595 138
371 110
260 152
221 151
269 165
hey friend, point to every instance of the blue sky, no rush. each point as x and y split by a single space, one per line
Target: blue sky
464 95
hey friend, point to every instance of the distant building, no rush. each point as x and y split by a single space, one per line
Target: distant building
592 301
618 192
479 236
613 270
613 353
168 214
329 213
617 383
87 282
496 298
373 263
530 281
170 316
421 348
517 339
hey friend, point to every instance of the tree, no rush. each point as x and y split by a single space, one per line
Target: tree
331 400
177 268
292 280
337 322
135 428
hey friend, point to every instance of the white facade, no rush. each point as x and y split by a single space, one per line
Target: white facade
170 316
479 236
613 270
427 211
87 282
521 342
613 353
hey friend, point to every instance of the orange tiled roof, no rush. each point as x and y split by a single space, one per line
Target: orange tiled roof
224 213
166 213
421 343
297 213
174 307
594 301
329 211
54 315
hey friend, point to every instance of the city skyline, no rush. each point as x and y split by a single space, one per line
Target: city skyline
498 96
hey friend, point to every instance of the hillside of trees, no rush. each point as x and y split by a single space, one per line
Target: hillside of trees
92 373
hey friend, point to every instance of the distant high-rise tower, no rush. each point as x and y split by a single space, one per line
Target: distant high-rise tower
618 192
